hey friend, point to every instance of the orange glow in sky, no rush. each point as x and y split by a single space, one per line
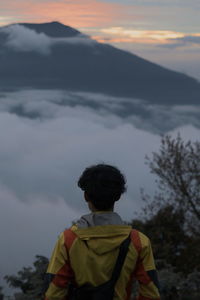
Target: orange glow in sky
141 26
112 22
122 35
76 13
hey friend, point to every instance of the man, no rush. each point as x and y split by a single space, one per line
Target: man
86 253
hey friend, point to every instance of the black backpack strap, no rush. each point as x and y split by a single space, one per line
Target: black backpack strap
120 259
105 290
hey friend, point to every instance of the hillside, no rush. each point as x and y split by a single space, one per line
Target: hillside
52 55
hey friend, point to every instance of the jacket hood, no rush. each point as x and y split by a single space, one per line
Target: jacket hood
102 232
99 218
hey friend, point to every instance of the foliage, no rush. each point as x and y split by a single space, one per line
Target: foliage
176 253
30 280
170 241
175 285
177 167
172 218
1 293
171 221
189 288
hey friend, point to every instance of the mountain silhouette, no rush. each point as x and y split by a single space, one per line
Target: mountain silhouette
53 29
75 62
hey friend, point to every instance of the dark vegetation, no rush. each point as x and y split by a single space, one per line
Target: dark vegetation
30 280
1 294
171 220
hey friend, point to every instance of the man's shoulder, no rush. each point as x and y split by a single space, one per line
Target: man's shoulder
69 236
139 240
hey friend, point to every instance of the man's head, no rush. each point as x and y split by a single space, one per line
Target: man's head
103 185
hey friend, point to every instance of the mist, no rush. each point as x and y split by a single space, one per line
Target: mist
102 108
21 38
47 139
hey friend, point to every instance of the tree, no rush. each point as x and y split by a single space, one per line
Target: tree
30 280
176 253
171 243
177 167
175 286
1 293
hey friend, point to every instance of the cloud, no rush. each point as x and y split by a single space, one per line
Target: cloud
144 15
42 158
21 38
160 2
191 40
105 109
76 13
195 39
165 38
49 133
41 161
32 229
127 35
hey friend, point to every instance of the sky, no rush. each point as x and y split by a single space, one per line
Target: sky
41 159
166 32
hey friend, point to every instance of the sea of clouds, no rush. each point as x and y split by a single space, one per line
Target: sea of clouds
47 138
48 104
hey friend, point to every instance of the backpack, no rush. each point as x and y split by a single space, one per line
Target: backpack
106 290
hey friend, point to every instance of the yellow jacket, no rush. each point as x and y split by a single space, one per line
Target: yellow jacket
88 255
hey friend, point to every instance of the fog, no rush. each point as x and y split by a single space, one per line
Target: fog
21 38
103 109
47 138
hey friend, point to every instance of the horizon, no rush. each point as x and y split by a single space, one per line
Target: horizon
195 75
48 136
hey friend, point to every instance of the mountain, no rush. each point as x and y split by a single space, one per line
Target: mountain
53 29
55 56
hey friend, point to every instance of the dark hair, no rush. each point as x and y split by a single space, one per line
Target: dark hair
103 184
